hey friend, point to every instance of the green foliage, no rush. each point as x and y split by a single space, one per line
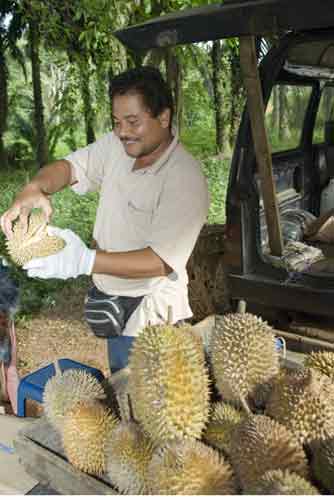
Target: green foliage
77 43
285 115
200 141
216 171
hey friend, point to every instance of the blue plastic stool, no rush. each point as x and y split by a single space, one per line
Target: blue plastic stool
32 386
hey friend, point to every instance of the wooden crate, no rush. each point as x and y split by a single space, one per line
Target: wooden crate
40 451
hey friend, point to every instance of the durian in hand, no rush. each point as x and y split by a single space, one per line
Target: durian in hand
189 467
323 361
222 422
260 444
323 463
35 243
303 401
66 389
243 355
169 383
282 482
87 428
128 453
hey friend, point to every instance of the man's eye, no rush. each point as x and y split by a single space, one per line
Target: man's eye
116 124
133 122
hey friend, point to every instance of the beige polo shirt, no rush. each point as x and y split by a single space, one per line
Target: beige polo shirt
162 206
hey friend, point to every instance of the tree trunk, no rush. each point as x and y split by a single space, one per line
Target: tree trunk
174 80
237 96
275 110
218 91
86 99
3 107
282 132
42 148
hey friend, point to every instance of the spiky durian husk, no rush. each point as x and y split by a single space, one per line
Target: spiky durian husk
66 389
323 361
190 468
87 428
35 243
223 420
129 452
323 463
278 482
169 383
303 400
243 355
260 444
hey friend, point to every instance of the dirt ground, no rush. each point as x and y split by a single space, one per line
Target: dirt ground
60 332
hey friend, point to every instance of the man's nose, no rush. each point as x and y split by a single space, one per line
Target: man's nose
123 130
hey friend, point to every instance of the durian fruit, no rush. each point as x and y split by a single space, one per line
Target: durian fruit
129 451
323 463
223 420
169 383
303 401
323 361
36 242
87 428
259 444
66 389
189 467
243 355
279 482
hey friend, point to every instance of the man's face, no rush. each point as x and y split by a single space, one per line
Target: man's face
141 134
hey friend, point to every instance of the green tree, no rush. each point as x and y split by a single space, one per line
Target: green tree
11 27
34 45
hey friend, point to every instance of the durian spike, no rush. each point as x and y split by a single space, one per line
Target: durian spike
189 467
243 355
128 454
302 400
169 383
260 444
86 430
64 390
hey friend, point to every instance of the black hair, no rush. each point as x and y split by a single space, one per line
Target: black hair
148 82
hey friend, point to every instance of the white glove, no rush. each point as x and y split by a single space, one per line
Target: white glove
73 260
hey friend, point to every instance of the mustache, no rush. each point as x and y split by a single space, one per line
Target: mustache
125 139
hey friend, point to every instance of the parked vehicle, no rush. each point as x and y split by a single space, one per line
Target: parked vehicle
299 67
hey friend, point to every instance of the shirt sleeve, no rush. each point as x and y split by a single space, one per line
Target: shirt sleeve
88 164
182 210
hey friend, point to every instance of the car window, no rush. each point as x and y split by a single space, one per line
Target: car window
325 113
285 115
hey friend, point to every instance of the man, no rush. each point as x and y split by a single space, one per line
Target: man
153 203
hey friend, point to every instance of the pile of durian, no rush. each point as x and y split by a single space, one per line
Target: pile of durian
232 420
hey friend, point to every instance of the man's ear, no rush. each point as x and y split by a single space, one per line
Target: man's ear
164 118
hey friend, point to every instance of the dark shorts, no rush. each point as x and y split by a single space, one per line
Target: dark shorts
107 315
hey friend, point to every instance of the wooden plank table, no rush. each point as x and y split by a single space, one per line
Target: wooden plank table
40 450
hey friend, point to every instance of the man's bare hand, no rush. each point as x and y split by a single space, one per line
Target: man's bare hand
30 197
